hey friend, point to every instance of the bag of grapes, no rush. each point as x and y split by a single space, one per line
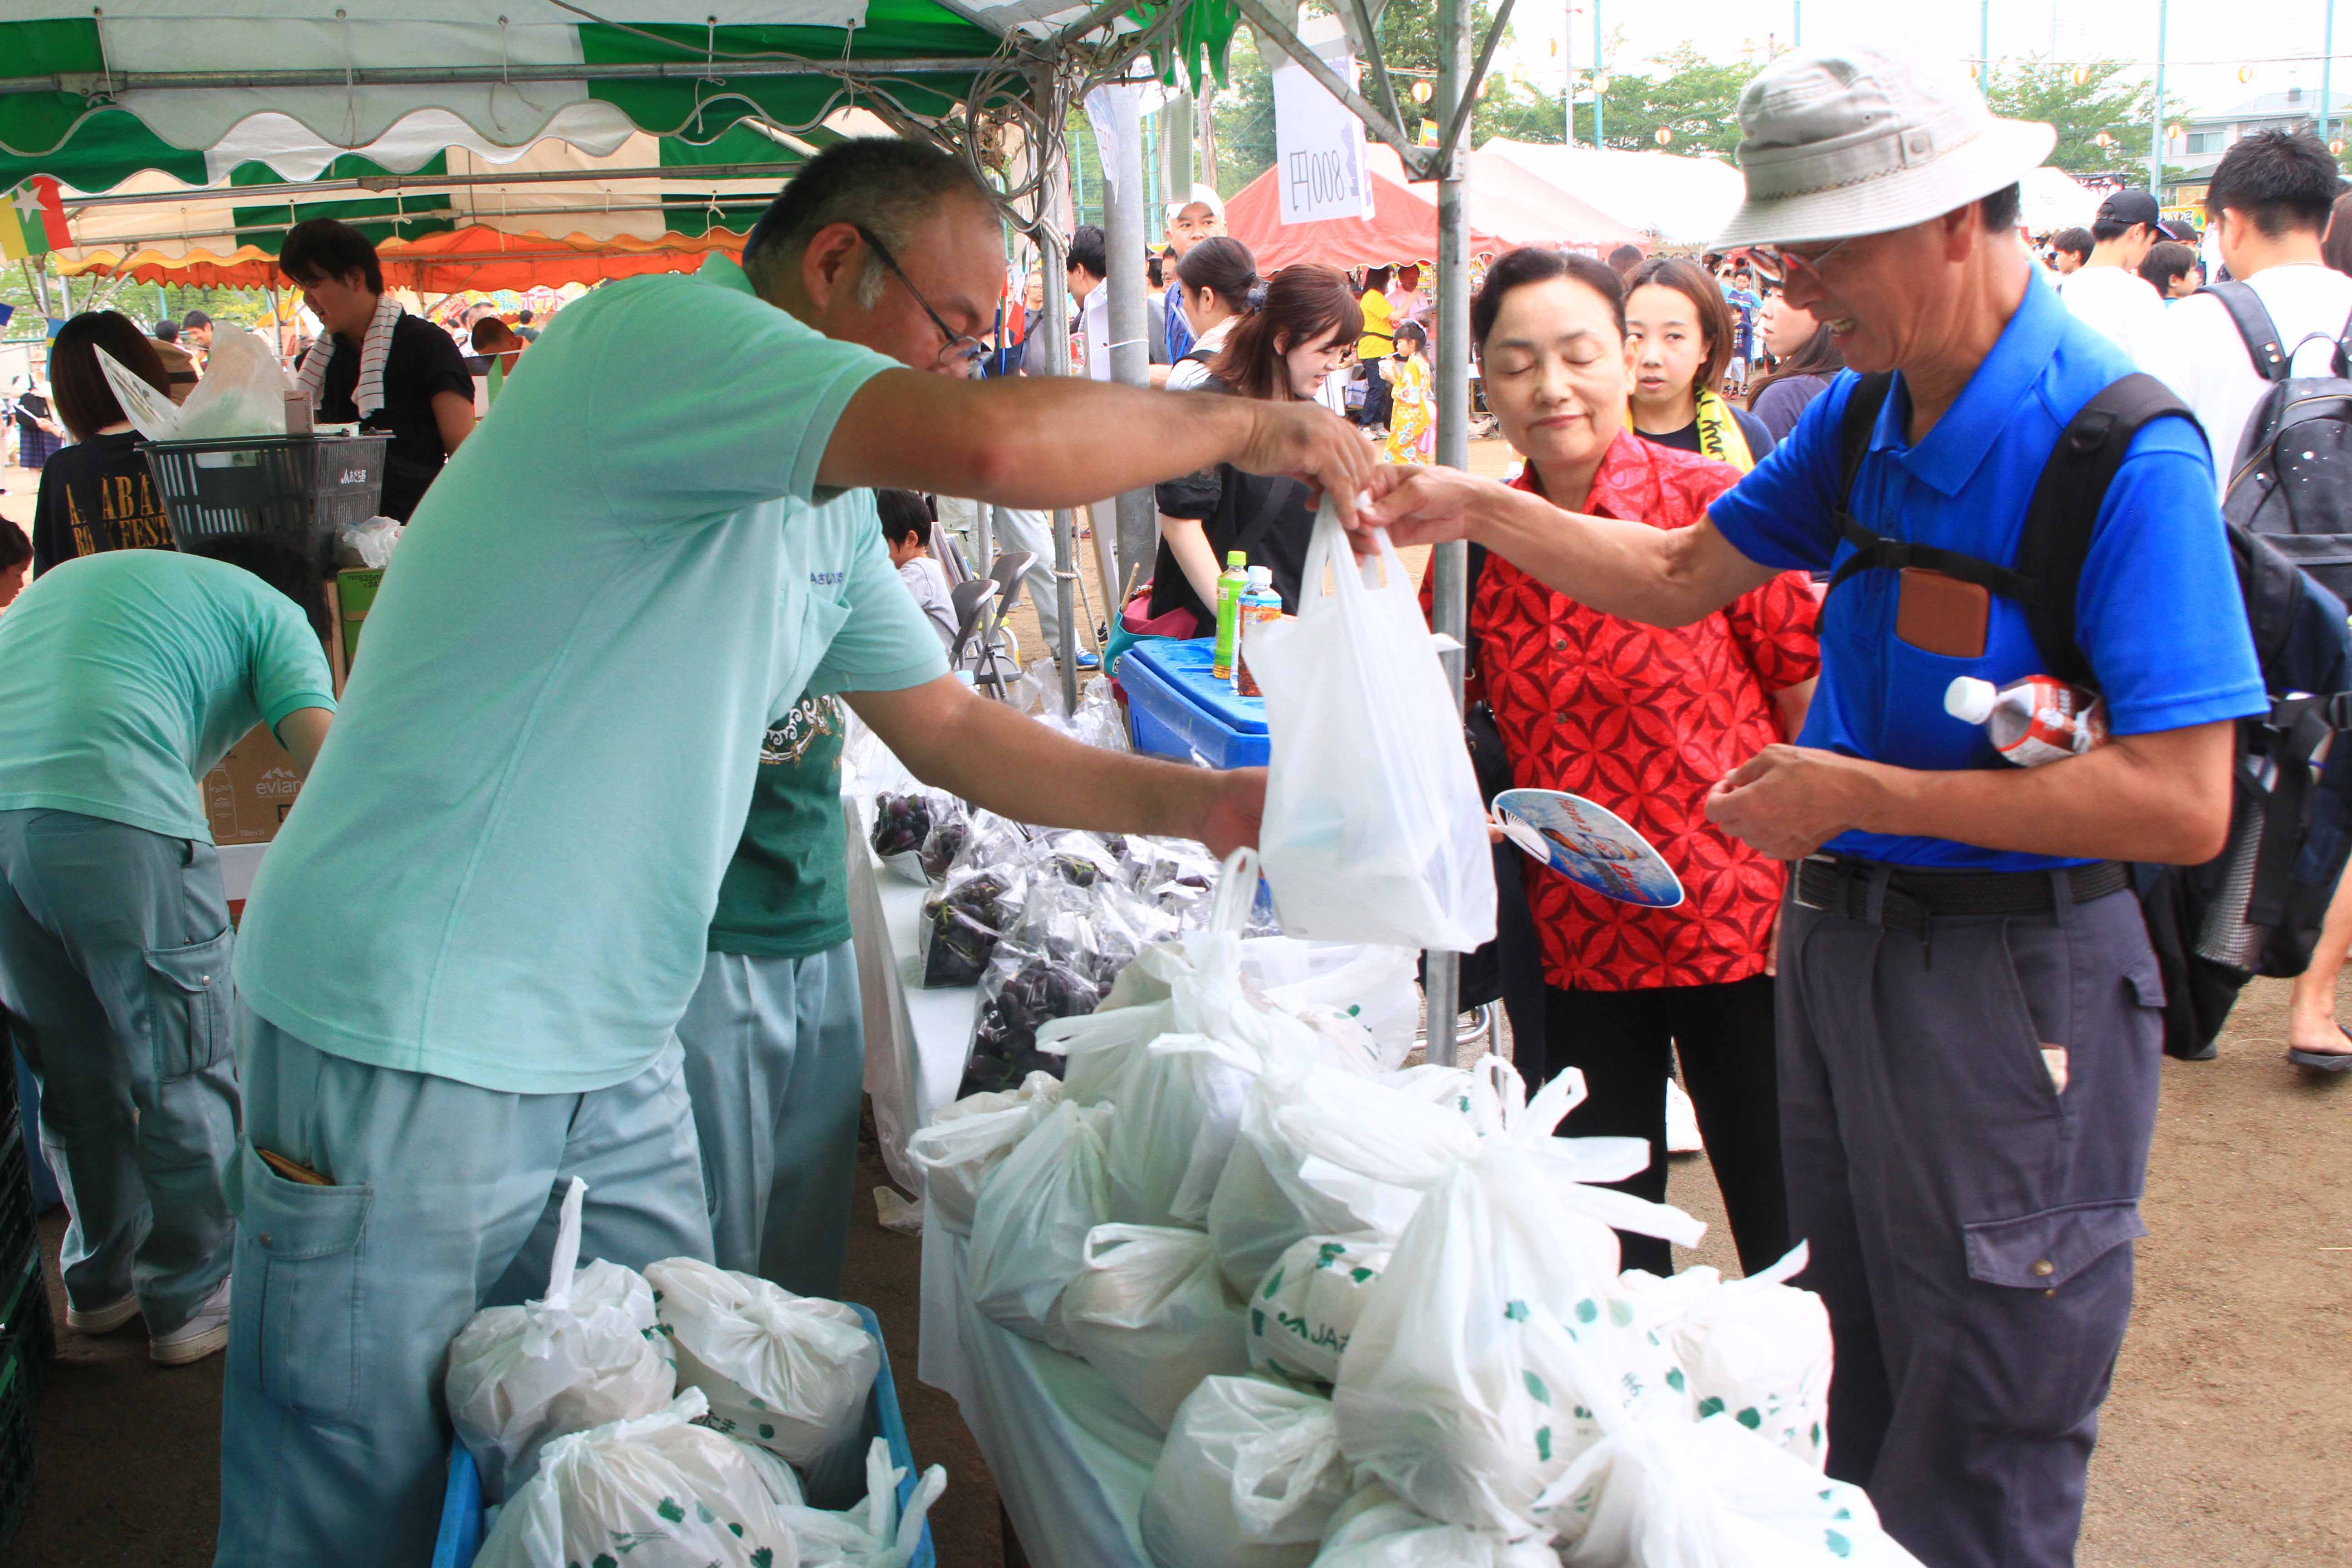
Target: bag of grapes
907 822
1058 961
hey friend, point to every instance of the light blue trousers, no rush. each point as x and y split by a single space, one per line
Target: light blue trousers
114 963
334 1437
775 1058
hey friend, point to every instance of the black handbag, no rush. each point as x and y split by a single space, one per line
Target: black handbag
1508 969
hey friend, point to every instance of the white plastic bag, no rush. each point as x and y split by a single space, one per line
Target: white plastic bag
368 544
1305 1313
1376 986
1757 1349
243 393
1374 1530
970 1137
788 1372
1249 1479
1149 1311
1029 1228
585 1353
1374 829
1475 1371
680 1496
1713 1494
1373 1145
873 1534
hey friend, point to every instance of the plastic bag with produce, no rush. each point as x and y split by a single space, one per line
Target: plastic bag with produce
1029 1230
1756 1348
1476 1370
1149 1313
969 1138
787 1373
1250 1477
1301 1319
1710 1494
585 1353
682 1493
903 824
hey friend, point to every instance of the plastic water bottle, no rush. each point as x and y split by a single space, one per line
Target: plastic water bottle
1231 583
2030 721
1259 604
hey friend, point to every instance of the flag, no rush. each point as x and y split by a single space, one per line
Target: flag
33 220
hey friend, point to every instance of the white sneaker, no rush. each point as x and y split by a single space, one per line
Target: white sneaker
102 1320
201 1336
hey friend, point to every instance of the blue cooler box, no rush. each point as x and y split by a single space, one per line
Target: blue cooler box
838 1483
1177 708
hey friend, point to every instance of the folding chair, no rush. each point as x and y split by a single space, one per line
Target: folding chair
947 550
1009 571
970 602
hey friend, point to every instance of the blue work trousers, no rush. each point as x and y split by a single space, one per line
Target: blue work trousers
1971 1222
114 966
775 1058
444 1199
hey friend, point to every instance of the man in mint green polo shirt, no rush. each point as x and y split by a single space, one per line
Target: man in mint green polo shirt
466 959
775 1036
123 679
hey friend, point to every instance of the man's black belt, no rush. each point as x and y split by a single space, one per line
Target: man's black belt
1906 899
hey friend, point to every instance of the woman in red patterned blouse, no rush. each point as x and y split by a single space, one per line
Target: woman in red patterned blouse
1645 721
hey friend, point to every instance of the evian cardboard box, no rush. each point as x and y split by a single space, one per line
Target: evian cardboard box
248 794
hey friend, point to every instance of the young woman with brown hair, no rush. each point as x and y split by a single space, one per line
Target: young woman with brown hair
1280 352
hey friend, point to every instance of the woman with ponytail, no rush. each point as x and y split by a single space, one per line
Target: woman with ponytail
1215 281
1280 352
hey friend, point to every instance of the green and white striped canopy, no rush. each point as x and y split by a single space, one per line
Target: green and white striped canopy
201 90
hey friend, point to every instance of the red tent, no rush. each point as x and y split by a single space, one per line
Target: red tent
1403 225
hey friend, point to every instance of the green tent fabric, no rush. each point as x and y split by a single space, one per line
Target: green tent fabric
92 141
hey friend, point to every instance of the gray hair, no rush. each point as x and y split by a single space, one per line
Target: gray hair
884 184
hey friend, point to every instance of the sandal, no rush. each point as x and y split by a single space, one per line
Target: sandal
2324 1061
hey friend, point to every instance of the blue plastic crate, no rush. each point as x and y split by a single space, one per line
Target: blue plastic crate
838 1483
1178 710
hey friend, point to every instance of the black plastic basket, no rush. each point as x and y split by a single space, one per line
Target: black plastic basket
301 487
28 1342
19 1239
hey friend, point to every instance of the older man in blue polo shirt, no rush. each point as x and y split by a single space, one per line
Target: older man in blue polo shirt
1969 1006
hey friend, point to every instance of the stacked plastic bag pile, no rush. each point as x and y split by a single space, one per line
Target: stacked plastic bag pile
1379 1313
674 1416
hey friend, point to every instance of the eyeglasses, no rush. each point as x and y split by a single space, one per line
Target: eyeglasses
1780 258
962 355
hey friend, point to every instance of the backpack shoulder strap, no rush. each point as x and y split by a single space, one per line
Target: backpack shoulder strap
2065 507
1873 549
2255 326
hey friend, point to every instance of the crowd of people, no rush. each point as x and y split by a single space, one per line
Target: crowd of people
1911 995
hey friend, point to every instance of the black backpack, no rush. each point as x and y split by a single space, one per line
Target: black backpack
2291 480
2256 909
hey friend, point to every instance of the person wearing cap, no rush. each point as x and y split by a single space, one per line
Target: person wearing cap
2107 291
1201 215
2270 207
1968 1008
196 329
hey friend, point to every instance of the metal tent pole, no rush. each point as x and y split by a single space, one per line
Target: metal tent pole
1599 137
1130 356
1054 327
1449 563
2156 130
2327 75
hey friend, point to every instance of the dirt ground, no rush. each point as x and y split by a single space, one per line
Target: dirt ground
2221 1445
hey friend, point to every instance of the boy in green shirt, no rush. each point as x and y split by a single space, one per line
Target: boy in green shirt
775 1039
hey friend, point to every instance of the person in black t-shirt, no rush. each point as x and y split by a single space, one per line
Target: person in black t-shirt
96 494
386 369
1682 336
1281 351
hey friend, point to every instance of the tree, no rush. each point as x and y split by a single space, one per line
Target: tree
1695 99
2081 110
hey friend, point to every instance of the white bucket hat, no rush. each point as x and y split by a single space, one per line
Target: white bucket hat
1844 141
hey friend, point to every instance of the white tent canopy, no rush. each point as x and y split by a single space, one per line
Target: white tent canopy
1682 201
